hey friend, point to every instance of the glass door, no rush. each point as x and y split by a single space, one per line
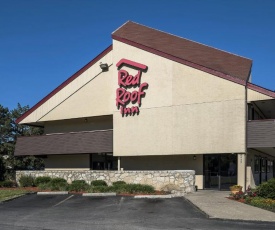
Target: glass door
211 171
220 171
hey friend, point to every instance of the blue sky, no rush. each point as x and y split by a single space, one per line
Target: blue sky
42 43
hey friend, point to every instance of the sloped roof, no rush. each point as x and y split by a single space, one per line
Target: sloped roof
190 53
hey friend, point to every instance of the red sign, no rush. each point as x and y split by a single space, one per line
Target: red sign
126 82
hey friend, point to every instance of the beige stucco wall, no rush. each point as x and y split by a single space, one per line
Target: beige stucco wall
67 162
185 111
253 95
90 94
80 124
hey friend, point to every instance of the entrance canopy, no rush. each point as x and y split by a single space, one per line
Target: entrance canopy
66 143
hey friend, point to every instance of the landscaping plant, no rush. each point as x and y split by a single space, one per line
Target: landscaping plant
26 181
42 180
58 184
267 189
98 183
119 183
268 204
7 184
78 186
261 197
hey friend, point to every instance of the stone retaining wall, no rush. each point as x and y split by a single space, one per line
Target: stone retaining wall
177 180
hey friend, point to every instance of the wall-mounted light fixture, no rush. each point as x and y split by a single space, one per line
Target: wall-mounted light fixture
194 157
104 66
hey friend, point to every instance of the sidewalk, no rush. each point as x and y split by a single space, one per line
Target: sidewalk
216 205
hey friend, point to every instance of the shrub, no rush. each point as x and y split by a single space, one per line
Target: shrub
139 188
119 183
268 204
7 184
58 184
78 186
247 195
133 188
26 181
101 188
42 180
45 186
98 183
267 189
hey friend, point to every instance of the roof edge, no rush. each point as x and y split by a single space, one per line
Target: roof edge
261 89
65 83
190 40
182 61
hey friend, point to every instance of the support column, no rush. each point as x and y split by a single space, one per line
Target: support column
118 163
242 170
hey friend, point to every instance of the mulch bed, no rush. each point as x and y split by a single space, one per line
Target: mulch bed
36 189
240 200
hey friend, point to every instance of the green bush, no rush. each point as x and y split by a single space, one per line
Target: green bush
45 186
42 180
98 183
267 189
26 181
101 189
79 186
119 183
138 188
268 204
132 188
7 184
58 184
123 188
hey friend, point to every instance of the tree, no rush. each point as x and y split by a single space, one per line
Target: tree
9 131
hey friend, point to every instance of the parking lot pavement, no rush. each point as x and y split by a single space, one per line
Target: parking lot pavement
72 212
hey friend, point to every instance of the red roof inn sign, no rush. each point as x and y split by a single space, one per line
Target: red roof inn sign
128 82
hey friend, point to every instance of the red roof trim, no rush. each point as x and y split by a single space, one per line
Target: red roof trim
260 89
131 63
179 60
65 83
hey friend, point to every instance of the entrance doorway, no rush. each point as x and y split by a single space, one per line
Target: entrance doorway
220 171
103 161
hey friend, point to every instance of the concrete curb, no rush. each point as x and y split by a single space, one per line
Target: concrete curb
153 196
15 197
53 193
99 194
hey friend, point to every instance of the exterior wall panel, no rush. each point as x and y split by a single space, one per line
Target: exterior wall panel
185 111
256 96
78 99
261 133
67 162
78 125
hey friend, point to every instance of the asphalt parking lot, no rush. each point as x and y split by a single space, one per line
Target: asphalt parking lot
73 212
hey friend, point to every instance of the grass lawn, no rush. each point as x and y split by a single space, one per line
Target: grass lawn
11 193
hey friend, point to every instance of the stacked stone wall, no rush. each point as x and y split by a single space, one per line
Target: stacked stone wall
179 180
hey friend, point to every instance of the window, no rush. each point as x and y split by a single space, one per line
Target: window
263 165
269 166
257 164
